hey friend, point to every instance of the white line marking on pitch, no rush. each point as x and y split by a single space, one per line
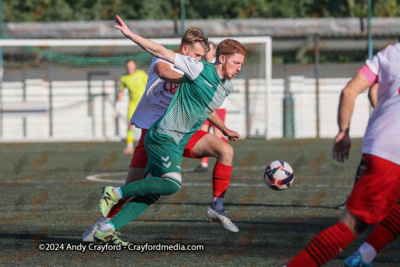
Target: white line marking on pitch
97 178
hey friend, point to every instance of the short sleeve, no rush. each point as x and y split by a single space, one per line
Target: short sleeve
122 85
190 66
144 77
373 64
368 74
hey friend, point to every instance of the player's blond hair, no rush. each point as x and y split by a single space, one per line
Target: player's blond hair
195 35
229 47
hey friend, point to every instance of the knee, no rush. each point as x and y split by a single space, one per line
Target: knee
225 150
356 225
171 188
172 183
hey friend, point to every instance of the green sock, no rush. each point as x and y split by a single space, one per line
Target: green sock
129 137
132 209
151 185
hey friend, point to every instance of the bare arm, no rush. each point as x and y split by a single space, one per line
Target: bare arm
151 47
216 120
342 143
120 96
356 86
373 94
165 72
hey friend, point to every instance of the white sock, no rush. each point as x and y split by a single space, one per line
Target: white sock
104 220
117 190
368 252
129 145
203 164
217 203
106 227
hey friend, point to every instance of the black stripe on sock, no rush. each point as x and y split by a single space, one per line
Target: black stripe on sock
309 248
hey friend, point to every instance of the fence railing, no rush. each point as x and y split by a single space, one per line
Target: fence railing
30 112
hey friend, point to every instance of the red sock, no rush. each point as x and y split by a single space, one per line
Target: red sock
386 231
204 160
117 207
221 177
324 247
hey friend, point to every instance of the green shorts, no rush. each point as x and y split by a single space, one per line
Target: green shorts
164 154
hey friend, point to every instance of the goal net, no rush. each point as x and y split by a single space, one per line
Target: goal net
61 90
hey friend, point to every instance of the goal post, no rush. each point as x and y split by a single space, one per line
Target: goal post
49 84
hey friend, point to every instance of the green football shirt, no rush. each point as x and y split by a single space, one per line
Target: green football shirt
200 93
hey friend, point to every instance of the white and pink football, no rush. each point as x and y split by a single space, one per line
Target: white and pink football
279 175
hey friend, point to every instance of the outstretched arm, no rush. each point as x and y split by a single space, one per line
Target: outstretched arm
356 86
151 47
216 120
165 72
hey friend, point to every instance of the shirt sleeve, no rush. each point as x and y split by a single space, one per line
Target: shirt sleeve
368 74
190 66
373 64
122 85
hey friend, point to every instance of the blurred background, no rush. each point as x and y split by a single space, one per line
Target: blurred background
62 61
61 137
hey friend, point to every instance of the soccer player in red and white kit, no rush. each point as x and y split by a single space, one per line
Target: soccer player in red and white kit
375 195
221 112
161 86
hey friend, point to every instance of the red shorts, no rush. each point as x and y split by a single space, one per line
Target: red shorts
192 142
377 191
139 159
221 113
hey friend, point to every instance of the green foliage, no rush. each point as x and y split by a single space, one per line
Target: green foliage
88 10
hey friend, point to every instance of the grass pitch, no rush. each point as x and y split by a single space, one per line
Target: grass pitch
46 197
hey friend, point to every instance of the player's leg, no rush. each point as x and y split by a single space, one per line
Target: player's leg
130 132
143 193
164 161
203 144
135 172
360 170
203 166
168 184
384 233
370 201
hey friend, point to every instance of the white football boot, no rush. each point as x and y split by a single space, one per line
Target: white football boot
221 217
88 235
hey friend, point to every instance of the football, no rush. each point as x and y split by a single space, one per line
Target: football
279 175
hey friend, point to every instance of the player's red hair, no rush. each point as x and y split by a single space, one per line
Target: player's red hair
229 47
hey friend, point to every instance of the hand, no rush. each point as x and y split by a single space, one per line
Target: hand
341 146
232 135
116 109
122 26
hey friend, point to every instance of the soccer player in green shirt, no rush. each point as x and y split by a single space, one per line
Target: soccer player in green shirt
135 80
201 91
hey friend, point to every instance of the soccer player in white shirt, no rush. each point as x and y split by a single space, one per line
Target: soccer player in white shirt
374 197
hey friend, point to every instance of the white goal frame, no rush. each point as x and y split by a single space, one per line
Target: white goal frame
163 41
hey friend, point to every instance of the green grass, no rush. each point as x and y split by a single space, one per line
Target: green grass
50 200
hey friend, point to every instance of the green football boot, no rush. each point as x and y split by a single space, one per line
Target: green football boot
108 236
108 200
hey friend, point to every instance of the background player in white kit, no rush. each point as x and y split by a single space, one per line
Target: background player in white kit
375 195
